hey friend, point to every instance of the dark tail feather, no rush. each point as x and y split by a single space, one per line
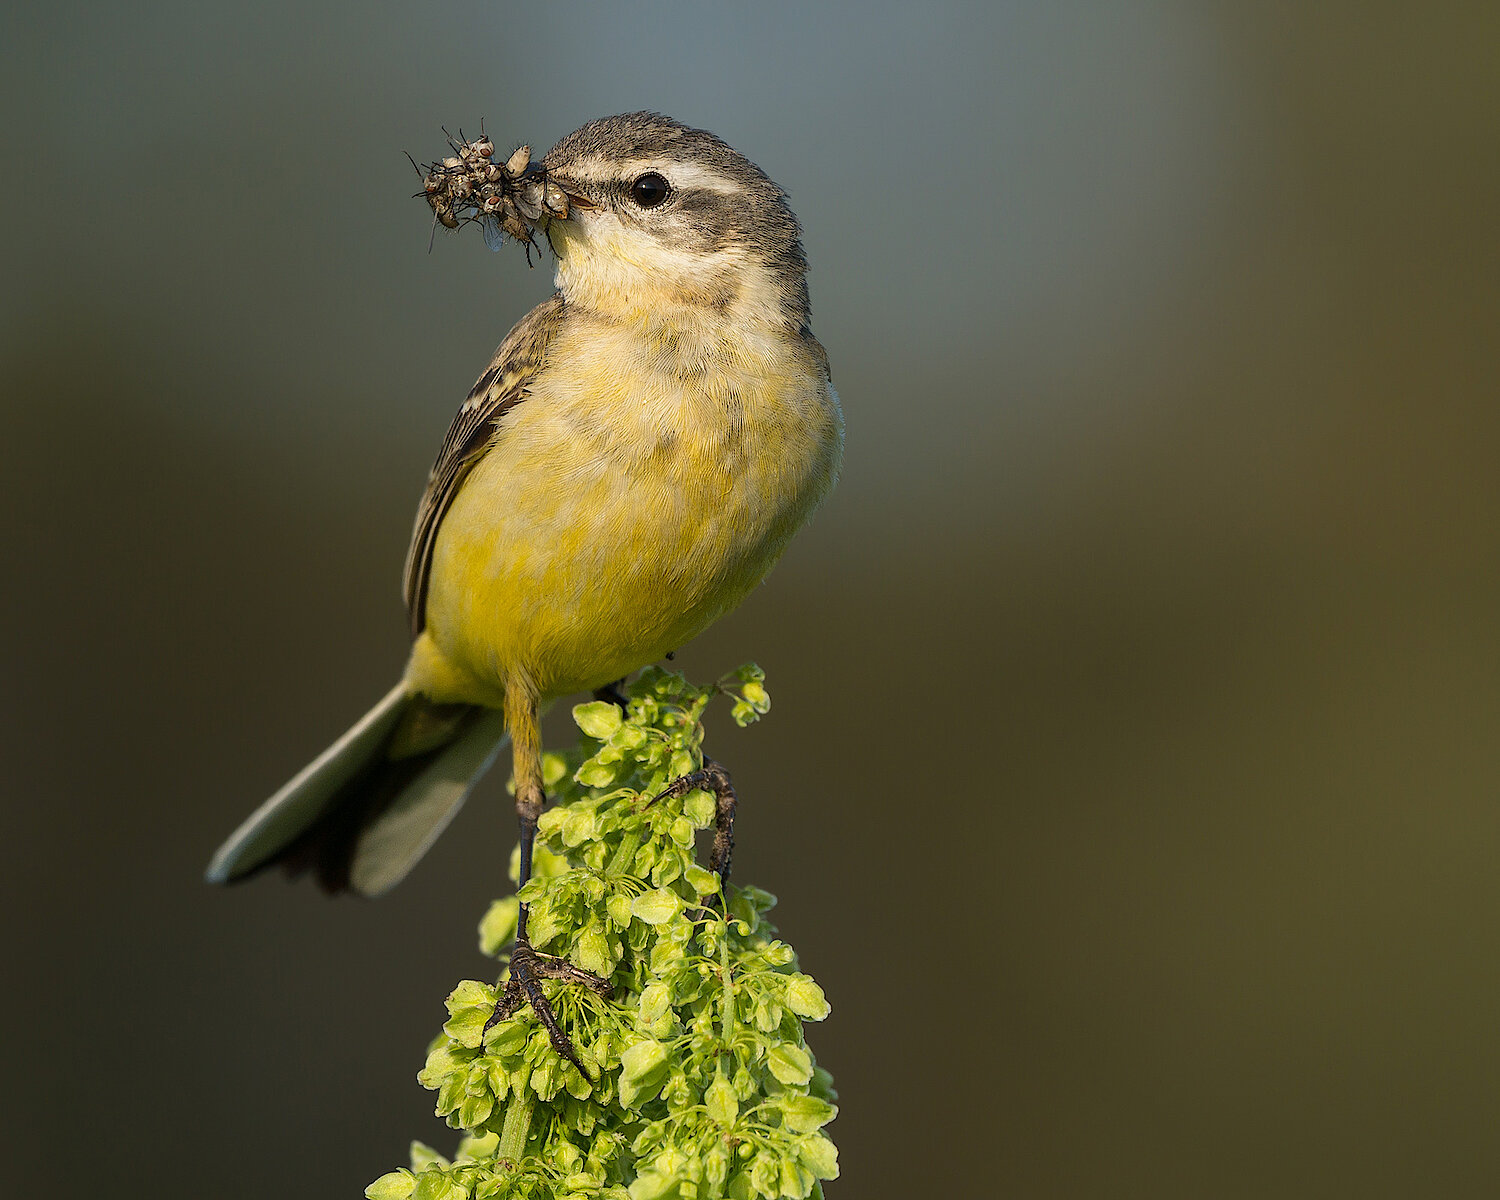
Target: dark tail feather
364 812
327 847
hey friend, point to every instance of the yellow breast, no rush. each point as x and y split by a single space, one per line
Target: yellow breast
648 482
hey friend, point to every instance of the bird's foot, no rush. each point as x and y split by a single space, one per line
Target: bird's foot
711 777
527 970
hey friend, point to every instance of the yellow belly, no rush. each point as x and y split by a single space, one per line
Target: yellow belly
618 512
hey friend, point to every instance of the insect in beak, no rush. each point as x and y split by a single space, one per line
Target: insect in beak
562 195
512 198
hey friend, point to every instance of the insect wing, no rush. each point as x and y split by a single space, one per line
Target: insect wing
494 236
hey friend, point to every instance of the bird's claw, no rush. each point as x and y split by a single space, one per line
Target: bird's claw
527 969
711 777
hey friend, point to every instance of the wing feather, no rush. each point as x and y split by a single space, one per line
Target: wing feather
505 383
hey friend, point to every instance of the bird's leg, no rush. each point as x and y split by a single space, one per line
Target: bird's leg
712 777
527 967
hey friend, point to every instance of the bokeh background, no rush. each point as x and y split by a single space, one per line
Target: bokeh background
1131 782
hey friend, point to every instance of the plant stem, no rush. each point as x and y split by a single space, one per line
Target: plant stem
726 977
517 1126
624 855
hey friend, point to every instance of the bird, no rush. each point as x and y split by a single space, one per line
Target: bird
628 468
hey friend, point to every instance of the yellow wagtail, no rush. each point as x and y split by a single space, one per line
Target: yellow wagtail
629 466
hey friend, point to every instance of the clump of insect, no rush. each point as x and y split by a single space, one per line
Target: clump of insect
503 198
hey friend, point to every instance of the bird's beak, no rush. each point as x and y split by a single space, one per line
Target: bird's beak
563 196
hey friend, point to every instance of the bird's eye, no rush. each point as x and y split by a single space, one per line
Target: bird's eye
650 190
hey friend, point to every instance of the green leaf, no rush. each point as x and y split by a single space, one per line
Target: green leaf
592 952
423 1155
441 1062
656 907
820 1155
547 1076
662 683
777 953
468 994
765 1174
574 1081
475 1110
550 822
740 1187
806 999
668 867
433 1186
643 1069
698 807
546 865
534 888
450 1093
464 1026
598 718
397 1185
507 1037
642 1061
656 998
498 1080
716 1165
629 737
618 907
790 1064
702 881
477 1146
806 1114
723 1105
654 1184
578 827
596 774
796 1181
546 924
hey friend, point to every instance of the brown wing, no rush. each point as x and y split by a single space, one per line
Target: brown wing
505 383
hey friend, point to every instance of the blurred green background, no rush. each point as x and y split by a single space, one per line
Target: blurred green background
1131 783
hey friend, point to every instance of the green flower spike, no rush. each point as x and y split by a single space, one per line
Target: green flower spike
699 1082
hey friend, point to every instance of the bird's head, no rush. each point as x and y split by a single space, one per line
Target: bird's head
668 223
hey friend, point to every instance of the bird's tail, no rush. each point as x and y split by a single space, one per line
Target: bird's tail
364 811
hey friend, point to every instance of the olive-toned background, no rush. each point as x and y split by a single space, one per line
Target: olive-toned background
1132 779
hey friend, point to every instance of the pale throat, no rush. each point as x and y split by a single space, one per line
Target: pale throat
727 301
